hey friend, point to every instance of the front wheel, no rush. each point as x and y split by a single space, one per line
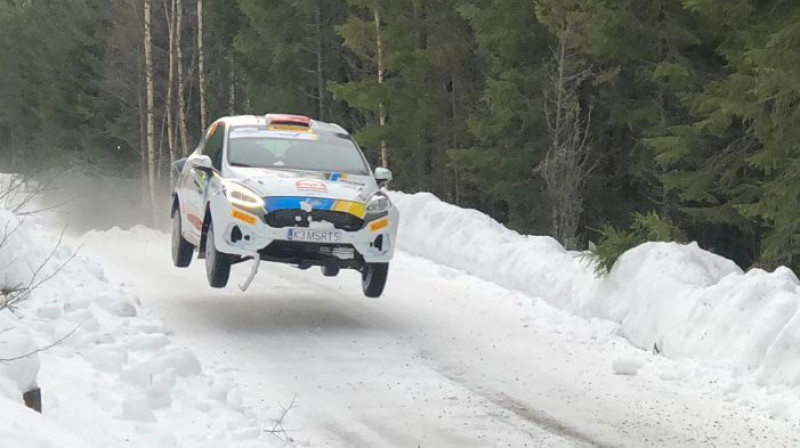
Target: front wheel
218 264
373 279
182 250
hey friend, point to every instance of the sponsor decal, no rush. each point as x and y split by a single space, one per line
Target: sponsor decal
270 134
304 203
354 208
194 220
289 127
342 179
379 224
311 186
244 217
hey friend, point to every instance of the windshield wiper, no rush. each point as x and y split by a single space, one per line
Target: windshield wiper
244 165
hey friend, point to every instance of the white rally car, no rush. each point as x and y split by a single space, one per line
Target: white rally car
282 188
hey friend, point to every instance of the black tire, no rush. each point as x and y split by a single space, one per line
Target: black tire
330 271
373 279
218 264
182 250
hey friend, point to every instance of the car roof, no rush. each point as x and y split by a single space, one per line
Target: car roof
245 120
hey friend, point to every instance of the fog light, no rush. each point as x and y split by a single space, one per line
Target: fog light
236 234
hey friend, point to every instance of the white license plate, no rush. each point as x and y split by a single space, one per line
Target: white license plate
315 235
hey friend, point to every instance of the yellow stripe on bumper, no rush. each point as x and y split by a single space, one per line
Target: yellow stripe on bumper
354 208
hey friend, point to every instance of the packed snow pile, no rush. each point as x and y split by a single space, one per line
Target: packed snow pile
22 427
113 376
677 299
19 364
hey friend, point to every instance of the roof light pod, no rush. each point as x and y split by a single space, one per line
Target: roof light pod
288 120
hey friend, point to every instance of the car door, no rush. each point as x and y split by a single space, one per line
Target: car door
196 180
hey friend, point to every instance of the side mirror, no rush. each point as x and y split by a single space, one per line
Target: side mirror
178 165
383 176
203 163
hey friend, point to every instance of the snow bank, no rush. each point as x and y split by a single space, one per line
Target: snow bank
17 371
678 299
22 427
117 379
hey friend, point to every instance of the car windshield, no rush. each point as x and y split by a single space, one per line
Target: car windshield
306 151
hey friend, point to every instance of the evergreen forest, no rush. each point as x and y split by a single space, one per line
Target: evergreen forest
594 121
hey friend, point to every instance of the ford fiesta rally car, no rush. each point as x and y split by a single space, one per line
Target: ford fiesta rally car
282 188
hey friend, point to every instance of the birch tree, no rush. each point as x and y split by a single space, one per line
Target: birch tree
181 81
201 66
170 13
381 107
150 133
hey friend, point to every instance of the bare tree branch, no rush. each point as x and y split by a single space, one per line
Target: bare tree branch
40 349
278 430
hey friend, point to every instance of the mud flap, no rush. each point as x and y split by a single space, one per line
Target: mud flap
256 261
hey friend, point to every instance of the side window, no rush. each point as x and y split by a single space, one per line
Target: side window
212 147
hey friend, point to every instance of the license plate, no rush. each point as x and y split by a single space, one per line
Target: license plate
315 235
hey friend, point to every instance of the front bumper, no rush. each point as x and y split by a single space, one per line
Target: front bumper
246 234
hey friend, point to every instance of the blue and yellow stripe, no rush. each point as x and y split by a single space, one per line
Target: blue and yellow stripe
293 203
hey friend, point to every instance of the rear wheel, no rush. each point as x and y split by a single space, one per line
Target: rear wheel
218 264
182 250
330 271
373 279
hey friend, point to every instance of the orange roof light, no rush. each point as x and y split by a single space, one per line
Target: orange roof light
291 120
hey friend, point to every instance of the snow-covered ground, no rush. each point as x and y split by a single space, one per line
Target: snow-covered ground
442 359
114 377
483 338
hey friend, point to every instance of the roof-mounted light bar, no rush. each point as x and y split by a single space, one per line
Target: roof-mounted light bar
288 120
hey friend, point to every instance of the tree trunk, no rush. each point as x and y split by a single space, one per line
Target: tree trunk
181 80
201 66
148 74
566 164
320 64
232 84
381 109
170 12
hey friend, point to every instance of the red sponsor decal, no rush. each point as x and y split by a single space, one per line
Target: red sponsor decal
195 221
313 186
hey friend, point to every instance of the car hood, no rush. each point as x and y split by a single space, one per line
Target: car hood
289 183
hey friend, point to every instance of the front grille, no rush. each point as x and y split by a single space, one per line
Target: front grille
301 218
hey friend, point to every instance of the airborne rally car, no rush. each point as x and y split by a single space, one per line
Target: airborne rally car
282 188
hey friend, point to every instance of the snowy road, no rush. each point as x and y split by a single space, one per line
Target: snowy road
442 359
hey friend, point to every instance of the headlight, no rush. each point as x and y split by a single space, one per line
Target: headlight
242 197
377 206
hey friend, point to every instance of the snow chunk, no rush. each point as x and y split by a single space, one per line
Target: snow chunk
138 409
23 427
16 341
626 366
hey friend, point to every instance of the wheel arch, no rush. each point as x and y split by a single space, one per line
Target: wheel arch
204 231
175 204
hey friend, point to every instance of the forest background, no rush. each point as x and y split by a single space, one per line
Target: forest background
589 120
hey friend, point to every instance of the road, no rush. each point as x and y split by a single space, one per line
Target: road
443 359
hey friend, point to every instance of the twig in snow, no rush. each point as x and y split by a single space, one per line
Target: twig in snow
41 349
10 296
278 430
